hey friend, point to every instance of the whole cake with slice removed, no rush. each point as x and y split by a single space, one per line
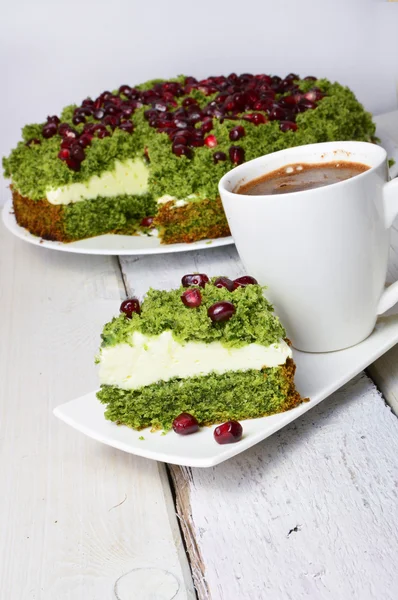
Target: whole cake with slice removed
212 348
148 158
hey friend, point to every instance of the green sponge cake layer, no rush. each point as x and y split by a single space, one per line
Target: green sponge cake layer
211 399
158 150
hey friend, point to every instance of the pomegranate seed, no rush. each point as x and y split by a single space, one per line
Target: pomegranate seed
101 133
228 432
180 123
255 118
125 89
309 78
224 282
217 156
211 141
287 126
130 306
307 104
192 298
185 424
237 155
85 111
244 281
236 133
89 128
265 104
276 113
181 137
127 126
32 141
77 153
67 142
127 111
53 119
99 113
73 164
77 119
199 279
64 154
64 128
207 126
221 311
180 150
105 96
147 221
49 130
188 101
85 140
111 120
87 102
315 94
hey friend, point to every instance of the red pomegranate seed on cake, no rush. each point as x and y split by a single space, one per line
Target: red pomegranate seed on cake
127 126
236 133
207 125
307 104
219 156
49 130
237 154
125 89
315 94
130 306
192 298
77 153
276 113
199 279
255 118
244 281
228 433
101 133
99 113
73 164
221 311
180 150
147 221
309 78
211 141
64 128
85 140
188 101
64 154
68 142
287 126
89 128
53 119
224 282
111 120
185 424
77 119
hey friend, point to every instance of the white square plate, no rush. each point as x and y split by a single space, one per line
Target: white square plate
317 376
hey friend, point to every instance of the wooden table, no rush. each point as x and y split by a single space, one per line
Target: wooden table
309 513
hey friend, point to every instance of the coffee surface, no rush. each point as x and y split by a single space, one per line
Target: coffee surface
300 177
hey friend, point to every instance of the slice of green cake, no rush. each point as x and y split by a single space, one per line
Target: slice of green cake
211 348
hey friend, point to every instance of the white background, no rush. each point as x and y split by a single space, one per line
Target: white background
53 53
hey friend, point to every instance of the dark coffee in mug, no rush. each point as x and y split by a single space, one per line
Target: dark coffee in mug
299 177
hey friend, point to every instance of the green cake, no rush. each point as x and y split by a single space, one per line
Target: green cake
147 159
212 348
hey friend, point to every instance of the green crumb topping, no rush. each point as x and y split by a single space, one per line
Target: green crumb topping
253 321
211 399
391 162
37 168
141 437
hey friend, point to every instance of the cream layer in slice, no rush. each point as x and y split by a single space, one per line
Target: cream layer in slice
150 359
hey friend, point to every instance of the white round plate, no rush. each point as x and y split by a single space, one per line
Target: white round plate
108 244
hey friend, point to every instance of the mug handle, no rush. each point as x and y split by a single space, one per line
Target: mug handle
390 199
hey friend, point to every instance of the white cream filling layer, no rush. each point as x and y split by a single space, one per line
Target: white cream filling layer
128 177
160 358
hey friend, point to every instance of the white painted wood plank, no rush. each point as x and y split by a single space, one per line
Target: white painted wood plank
78 521
309 513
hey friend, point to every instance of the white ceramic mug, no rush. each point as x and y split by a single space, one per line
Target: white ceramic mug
323 252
